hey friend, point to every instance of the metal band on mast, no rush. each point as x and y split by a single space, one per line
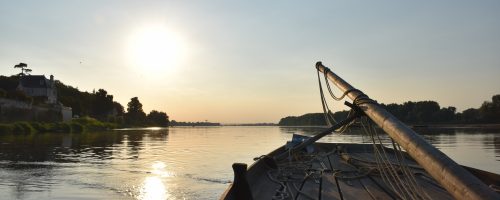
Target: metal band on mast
454 178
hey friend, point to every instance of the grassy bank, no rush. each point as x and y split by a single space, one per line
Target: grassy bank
74 126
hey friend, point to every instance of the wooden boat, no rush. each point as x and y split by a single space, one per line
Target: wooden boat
410 169
333 171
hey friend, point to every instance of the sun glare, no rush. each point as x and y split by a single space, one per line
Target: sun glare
155 49
153 188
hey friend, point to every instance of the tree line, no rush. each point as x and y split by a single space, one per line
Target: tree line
97 104
176 123
100 105
420 112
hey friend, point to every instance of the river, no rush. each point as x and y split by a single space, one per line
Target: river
175 163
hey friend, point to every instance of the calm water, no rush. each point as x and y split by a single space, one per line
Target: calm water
175 163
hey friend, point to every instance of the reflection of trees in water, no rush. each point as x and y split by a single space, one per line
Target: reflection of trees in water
158 135
92 147
32 159
31 175
493 142
496 145
133 141
438 136
33 147
435 131
28 178
136 139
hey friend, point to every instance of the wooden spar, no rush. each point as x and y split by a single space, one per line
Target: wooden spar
318 136
455 179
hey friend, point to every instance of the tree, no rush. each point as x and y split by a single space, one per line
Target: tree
135 115
80 102
470 115
118 108
9 83
102 104
445 115
156 118
24 69
490 111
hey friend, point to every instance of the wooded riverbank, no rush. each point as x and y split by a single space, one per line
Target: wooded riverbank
74 126
420 113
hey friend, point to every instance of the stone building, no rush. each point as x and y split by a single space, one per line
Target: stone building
39 86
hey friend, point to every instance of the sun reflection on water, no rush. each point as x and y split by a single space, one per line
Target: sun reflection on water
152 189
159 169
153 186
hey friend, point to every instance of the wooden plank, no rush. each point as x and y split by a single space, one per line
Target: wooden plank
377 180
310 190
261 185
330 189
432 190
311 187
361 157
350 189
375 190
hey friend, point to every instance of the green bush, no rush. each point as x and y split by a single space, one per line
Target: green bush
62 127
92 124
23 127
6 128
39 127
76 127
86 120
3 93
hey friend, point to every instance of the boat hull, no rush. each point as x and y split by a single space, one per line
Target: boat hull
339 171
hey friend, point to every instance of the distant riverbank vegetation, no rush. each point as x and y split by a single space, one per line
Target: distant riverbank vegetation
92 110
100 105
176 123
416 113
74 126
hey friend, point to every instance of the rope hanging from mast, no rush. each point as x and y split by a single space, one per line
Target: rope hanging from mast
324 104
456 180
328 114
397 176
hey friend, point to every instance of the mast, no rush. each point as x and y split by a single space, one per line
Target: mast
455 179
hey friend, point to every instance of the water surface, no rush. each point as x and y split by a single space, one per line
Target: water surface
175 163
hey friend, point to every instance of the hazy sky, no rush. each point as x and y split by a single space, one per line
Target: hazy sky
253 61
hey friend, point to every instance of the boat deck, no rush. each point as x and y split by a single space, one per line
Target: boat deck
337 171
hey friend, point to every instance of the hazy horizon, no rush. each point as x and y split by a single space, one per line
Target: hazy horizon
251 62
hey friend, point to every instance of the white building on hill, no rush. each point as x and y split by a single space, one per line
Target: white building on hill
39 86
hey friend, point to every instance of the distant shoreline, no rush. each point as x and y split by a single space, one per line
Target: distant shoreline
414 126
464 126
429 126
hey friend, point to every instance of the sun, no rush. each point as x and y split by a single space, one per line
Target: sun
154 49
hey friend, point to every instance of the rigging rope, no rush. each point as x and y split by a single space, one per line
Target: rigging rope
394 171
326 110
398 176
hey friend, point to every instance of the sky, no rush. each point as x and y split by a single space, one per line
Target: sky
253 61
